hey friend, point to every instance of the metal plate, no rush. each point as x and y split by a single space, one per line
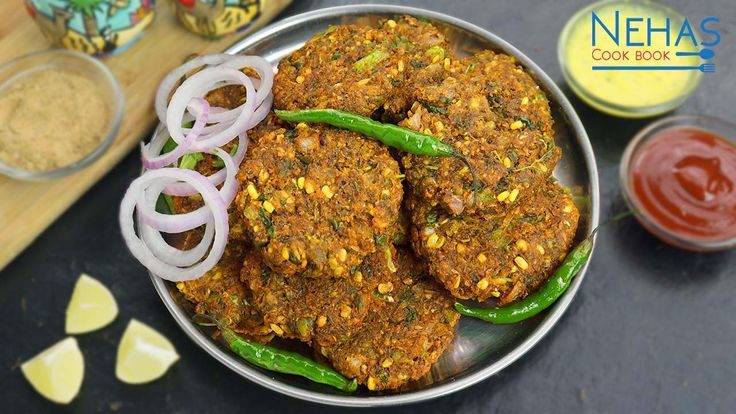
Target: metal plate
479 349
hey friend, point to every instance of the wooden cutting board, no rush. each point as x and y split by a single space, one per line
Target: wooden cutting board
27 208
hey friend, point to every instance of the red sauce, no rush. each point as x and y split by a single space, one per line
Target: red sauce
685 180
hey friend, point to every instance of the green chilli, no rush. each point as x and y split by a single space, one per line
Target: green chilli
541 299
369 61
394 136
274 359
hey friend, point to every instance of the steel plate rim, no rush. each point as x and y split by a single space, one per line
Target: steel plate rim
553 314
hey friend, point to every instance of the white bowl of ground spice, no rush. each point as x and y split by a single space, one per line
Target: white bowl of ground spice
59 111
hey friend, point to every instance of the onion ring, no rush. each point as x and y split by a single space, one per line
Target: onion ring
167 84
213 128
163 250
177 223
261 66
261 112
192 88
162 160
184 190
213 202
262 84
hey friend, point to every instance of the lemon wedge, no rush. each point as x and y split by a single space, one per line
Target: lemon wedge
91 307
143 354
57 372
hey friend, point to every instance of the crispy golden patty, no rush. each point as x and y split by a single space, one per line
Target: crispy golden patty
220 294
506 256
321 311
358 69
315 198
494 113
410 323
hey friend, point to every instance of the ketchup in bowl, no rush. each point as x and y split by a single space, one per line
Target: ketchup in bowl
679 176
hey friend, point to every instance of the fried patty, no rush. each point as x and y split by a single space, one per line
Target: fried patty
493 113
316 198
410 323
320 311
359 69
506 256
220 294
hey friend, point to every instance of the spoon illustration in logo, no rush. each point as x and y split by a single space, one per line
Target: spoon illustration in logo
704 54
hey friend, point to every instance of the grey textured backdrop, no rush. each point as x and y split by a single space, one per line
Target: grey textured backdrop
653 329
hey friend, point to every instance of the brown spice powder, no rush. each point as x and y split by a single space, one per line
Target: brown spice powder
49 119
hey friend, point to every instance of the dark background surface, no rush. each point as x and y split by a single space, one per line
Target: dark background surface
652 330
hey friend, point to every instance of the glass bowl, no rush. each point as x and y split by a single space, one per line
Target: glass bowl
88 67
589 94
713 125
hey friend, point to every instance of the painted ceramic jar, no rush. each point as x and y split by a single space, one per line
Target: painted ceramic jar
96 27
217 18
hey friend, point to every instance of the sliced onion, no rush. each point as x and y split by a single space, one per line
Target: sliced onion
171 255
262 112
163 250
262 85
167 84
184 190
213 128
177 223
261 66
154 147
259 115
162 160
213 202
195 86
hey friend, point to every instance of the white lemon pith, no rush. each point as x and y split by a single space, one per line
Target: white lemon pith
143 354
91 307
57 372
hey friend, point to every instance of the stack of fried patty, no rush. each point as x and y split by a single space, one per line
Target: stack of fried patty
357 250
